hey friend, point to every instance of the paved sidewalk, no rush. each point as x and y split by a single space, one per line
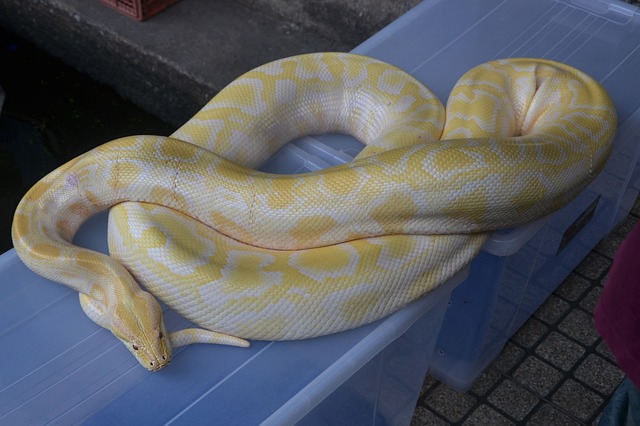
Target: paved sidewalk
556 370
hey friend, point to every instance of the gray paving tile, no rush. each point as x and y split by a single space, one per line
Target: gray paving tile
486 381
593 266
530 333
599 374
560 351
603 280
603 349
449 403
590 300
609 245
573 287
428 383
548 415
537 375
513 399
579 325
510 356
552 309
423 417
577 400
629 222
485 415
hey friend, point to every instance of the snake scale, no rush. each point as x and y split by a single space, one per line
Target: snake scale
250 255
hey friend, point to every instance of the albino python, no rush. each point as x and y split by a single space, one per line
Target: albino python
251 255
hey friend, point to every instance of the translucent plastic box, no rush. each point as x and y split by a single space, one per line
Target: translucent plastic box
57 366
437 42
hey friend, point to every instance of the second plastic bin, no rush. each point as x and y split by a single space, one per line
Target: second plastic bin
517 270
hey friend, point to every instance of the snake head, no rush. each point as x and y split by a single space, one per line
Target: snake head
139 325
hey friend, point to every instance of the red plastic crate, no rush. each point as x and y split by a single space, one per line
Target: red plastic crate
138 9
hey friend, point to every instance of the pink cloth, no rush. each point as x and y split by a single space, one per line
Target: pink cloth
617 314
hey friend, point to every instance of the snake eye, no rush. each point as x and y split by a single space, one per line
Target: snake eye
135 347
160 336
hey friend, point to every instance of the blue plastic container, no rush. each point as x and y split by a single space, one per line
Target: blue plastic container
58 366
516 271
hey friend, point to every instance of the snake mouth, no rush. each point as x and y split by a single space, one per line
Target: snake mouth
151 361
158 364
153 356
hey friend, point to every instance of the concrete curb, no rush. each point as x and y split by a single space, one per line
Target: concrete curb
173 63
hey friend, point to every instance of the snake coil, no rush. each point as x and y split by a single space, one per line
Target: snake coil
246 254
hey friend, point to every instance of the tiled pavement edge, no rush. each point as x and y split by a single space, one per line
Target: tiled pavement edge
556 370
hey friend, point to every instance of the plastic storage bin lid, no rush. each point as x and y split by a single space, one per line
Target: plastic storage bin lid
58 366
438 41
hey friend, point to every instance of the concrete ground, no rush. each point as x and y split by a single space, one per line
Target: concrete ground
554 371
171 69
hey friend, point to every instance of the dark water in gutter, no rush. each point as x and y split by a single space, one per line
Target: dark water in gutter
52 113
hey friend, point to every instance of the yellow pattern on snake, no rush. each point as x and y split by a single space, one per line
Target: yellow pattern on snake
261 256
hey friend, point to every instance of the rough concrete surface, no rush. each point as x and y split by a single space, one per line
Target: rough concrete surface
171 64
349 22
